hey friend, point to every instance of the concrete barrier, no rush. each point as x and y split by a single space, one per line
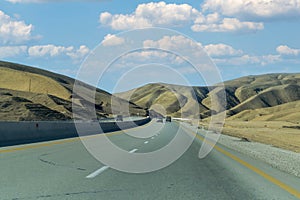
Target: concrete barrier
14 133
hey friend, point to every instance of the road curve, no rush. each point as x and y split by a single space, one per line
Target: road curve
64 169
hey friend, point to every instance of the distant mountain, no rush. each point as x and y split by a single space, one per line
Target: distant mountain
28 93
174 99
243 95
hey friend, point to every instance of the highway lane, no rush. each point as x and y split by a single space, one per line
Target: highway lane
58 170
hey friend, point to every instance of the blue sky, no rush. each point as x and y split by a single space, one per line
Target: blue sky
243 37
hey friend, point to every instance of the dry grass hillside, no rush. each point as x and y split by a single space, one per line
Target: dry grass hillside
28 93
264 108
289 112
277 126
176 100
246 93
30 82
269 110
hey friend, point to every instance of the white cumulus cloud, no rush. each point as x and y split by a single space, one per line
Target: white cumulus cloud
221 50
151 14
286 50
173 43
167 50
249 60
112 40
177 44
13 31
51 50
79 53
12 51
174 15
227 25
48 50
254 9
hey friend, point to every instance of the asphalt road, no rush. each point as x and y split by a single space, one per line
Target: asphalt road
64 169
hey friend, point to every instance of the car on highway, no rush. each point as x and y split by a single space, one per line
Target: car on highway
160 120
168 119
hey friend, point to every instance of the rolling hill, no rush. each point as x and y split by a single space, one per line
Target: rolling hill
28 93
289 112
243 96
173 99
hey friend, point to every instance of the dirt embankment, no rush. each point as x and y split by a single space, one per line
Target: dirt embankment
280 134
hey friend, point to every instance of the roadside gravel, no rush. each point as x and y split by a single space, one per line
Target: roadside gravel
283 160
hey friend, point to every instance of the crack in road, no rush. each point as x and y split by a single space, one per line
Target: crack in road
56 164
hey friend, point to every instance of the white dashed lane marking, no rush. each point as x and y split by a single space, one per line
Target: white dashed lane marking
104 168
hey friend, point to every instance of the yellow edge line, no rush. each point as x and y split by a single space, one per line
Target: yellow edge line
275 181
64 141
